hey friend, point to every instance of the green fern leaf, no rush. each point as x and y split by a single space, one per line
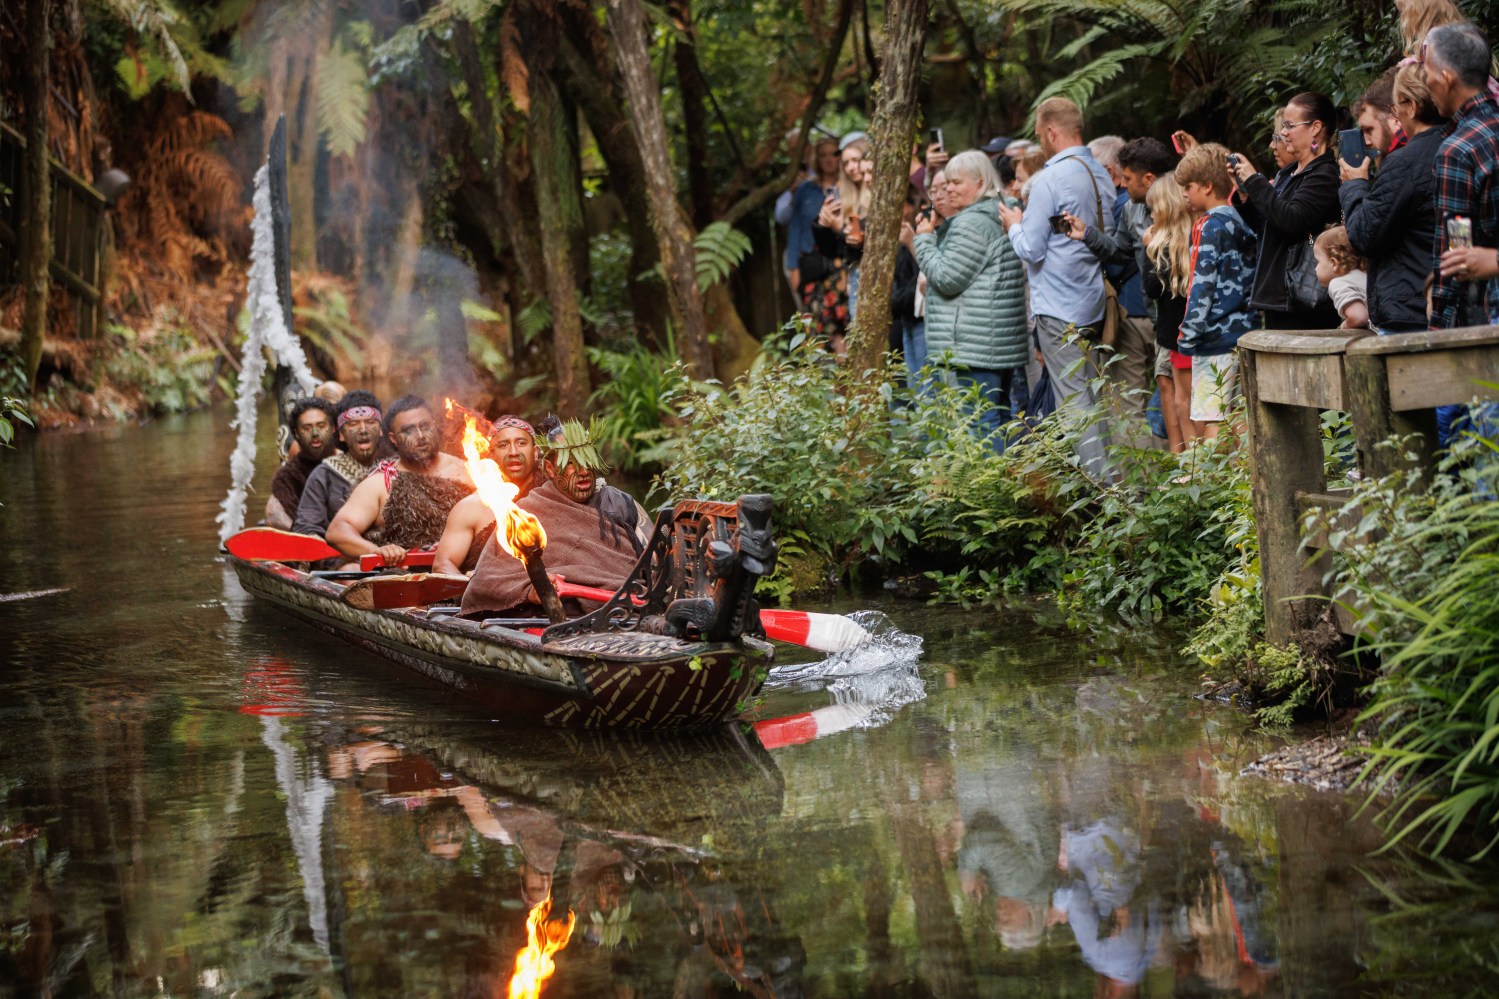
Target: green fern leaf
719 248
343 99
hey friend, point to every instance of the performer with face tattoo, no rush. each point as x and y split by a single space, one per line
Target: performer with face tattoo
404 503
512 444
330 484
593 530
311 424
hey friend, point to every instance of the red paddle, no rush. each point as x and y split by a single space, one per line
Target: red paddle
266 544
823 632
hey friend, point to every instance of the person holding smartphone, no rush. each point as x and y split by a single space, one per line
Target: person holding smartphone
1392 220
802 263
1290 211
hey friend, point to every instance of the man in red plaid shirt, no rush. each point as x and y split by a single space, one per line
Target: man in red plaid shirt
1455 58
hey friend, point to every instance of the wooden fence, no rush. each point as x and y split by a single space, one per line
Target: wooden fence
77 231
1389 385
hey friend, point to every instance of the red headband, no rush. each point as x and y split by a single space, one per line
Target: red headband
358 413
508 421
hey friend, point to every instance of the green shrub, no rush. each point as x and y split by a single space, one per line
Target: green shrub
1421 563
170 370
636 398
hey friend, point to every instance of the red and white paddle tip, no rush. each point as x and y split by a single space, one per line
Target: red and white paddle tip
823 632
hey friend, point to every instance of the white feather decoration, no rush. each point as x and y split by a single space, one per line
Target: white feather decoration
267 332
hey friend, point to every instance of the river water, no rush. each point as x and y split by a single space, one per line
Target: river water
199 796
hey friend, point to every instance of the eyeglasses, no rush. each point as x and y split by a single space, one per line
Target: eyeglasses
1285 128
1276 138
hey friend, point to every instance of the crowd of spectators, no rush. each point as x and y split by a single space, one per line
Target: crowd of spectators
1111 280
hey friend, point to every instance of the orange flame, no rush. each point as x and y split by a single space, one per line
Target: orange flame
544 937
520 529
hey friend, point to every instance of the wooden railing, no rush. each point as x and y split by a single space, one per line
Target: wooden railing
1389 386
77 231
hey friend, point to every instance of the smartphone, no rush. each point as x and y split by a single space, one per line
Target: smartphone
1459 232
1351 146
1232 161
831 192
934 137
1176 143
1060 225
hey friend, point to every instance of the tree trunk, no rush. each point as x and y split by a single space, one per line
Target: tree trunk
894 125
673 232
36 211
694 113
553 165
588 79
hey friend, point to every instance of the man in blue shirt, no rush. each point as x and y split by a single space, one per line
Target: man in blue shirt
1067 294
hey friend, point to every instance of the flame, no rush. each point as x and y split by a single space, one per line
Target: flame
544 937
521 529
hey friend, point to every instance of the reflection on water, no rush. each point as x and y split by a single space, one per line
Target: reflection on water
199 796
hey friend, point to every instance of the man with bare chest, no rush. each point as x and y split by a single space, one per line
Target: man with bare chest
404 503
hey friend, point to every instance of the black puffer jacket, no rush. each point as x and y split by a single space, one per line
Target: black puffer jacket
1392 221
1297 206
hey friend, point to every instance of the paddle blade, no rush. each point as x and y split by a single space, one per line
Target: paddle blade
266 544
823 632
390 592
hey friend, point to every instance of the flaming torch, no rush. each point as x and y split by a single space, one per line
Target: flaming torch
516 531
544 937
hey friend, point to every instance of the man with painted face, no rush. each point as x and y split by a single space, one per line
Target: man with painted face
512 444
329 485
311 424
404 503
592 529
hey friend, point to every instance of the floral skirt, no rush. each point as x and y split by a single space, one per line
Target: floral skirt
826 302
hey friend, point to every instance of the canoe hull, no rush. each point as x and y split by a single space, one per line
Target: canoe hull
607 680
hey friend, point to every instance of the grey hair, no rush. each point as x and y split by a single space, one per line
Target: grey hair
975 165
1105 150
1463 49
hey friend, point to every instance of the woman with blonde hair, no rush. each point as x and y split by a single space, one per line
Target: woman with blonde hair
853 196
1418 17
1168 271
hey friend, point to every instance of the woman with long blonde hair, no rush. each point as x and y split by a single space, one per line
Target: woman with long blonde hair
1418 17
1168 271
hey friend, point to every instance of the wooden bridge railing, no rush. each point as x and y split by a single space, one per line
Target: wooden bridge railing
1389 385
77 231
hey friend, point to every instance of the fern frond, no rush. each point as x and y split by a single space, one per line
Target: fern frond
1079 85
343 99
718 249
156 19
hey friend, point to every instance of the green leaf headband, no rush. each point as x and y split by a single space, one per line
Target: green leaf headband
574 442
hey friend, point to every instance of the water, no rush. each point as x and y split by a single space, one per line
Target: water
201 797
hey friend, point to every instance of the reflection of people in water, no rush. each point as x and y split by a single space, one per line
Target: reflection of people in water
532 831
1008 830
1117 940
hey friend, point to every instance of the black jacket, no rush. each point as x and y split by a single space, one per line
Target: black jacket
1299 205
1170 308
1392 221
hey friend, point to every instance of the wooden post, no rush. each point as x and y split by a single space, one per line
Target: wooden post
1285 457
1374 422
36 189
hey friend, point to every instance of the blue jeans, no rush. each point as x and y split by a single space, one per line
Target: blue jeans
853 293
994 388
913 348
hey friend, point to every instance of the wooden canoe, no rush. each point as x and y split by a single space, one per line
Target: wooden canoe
676 648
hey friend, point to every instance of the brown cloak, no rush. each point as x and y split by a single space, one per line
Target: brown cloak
417 509
574 550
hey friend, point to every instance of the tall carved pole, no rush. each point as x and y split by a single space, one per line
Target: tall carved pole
891 133
36 209
673 232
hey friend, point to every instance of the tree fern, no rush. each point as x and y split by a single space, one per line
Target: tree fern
1079 85
343 99
719 248
156 19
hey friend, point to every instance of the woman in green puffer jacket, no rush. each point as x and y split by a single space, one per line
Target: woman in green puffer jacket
975 305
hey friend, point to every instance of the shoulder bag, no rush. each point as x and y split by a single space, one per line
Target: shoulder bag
1113 313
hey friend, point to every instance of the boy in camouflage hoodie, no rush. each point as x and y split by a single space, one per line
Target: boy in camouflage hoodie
1218 313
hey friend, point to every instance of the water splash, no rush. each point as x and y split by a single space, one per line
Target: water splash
868 684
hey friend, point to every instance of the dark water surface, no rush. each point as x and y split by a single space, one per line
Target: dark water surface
201 797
